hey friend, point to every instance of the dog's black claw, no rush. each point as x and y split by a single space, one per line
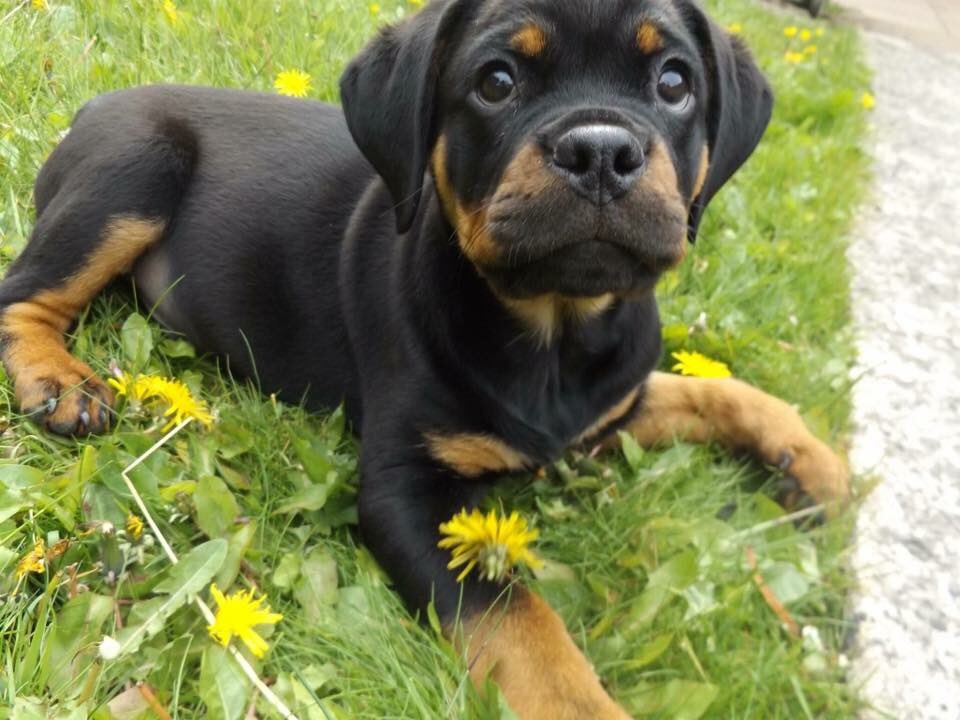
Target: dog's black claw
48 407
785 461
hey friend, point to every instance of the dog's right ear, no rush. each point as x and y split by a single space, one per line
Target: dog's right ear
389 95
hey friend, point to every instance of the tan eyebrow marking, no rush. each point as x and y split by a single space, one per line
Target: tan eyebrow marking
530 40
649 38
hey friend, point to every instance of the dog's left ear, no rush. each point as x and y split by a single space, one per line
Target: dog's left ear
740 103
388 93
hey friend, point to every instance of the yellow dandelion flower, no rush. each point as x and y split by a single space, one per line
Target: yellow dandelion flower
374 9
735 28
805 35
134 526
820 32
171 396
790 31
171 12
33 562
294 83
694 364
39 4
794 58
128 386
868 101
416 3
495 544
237 615
180 402
810 50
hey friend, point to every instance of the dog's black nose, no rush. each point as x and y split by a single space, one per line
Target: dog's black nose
601 162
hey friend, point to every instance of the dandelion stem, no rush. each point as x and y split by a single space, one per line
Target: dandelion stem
205 610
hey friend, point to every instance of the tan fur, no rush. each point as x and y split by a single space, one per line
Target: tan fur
611 416
739 416
701 173
527 651
544 315
35 353
530 40
649 39
469 222
475 455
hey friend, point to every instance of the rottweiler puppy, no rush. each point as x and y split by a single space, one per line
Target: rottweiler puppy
465 255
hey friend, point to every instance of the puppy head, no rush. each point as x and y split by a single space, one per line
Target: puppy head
574 144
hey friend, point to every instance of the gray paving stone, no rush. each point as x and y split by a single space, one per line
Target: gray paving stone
906 263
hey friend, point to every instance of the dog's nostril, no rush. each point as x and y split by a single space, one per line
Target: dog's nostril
629 158
601 162
572 154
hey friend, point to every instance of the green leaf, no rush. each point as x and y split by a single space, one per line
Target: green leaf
288 570
72 642
217 508
312 497
183 581
233 439
237 546
631 450
676 699
224 688
664 583
650 652
137 338
786 581
317 463
177 348
316 588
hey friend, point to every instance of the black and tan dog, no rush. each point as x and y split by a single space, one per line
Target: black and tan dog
465 255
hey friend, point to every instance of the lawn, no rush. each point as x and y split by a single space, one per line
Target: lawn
651 555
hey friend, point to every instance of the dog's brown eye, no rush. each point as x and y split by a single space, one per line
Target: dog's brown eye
496 87
673 86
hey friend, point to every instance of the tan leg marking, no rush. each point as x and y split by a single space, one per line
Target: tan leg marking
530 40
649 39
740 416
609 418
65 392
528 652
474 455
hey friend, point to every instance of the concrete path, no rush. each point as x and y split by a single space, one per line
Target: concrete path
932 23
906 263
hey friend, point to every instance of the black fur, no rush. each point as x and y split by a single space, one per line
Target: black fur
283 252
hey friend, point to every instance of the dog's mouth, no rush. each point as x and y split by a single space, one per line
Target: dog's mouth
583 253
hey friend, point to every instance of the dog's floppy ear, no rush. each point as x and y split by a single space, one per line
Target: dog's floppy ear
740 103
388 93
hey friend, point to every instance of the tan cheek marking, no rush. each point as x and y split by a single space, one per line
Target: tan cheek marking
528 652
609 417
701 173
470 223
649 38
473 455
530 40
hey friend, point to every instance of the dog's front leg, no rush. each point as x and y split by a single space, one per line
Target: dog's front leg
740 417
506 632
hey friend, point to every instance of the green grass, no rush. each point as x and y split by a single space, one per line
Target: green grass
647 553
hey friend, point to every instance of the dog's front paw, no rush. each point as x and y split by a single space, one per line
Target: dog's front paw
66 399
811 467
